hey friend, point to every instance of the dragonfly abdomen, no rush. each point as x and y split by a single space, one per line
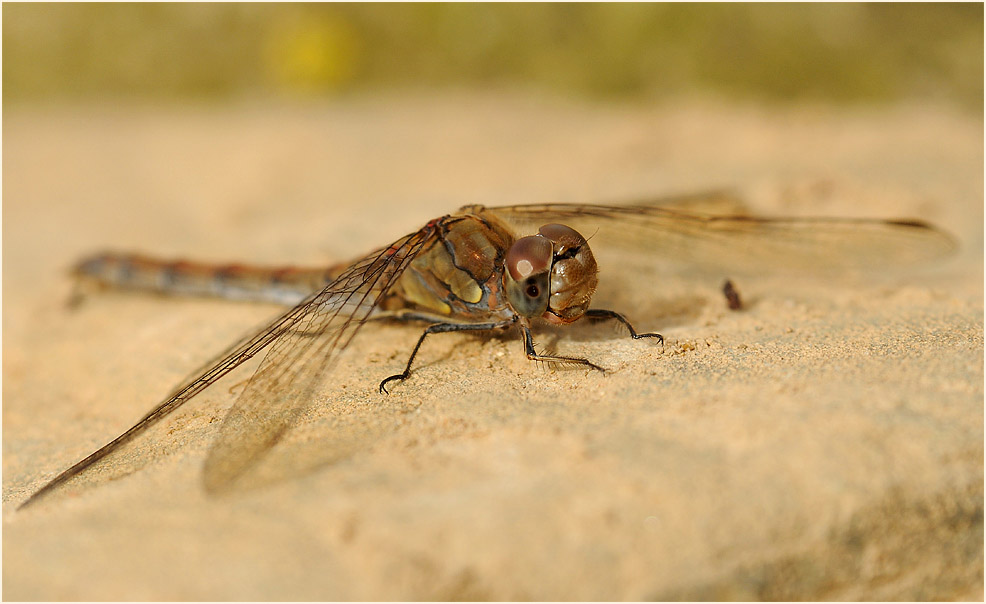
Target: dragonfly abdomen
280 285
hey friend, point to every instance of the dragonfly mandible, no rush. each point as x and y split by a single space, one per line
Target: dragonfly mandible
479 269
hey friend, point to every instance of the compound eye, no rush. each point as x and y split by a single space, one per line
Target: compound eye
562 236
528 275
528 256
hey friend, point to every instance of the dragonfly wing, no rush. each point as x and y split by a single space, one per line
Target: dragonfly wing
721 203
299 361
737 243
209 373
303 343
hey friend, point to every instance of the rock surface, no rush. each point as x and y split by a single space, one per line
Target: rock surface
826 442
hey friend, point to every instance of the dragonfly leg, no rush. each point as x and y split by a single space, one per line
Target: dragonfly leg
396 316
534 356
601 314
441 328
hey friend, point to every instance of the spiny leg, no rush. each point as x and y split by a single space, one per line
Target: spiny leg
600 314
441 328
534 356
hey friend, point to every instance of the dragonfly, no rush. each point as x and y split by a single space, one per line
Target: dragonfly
480 269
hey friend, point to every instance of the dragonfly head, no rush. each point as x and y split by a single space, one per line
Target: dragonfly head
551 274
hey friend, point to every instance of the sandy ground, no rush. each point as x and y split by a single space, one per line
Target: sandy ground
824 443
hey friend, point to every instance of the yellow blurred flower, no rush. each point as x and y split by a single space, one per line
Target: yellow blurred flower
311 54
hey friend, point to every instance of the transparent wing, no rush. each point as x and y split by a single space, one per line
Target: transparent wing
303 343
300 360
693 230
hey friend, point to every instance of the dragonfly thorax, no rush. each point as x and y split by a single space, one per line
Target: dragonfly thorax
551 274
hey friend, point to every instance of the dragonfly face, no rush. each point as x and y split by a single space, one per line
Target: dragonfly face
573 274
551 275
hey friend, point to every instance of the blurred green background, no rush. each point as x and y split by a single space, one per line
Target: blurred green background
816 52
